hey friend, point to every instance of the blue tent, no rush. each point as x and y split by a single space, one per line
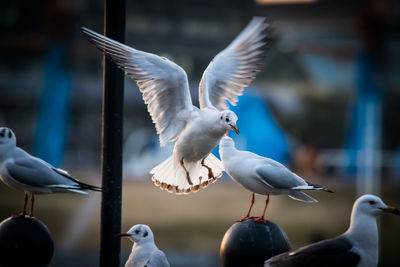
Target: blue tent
259 132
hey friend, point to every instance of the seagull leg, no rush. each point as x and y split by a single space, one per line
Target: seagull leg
32 202
23 213
210 173
262 218
187 173
248 213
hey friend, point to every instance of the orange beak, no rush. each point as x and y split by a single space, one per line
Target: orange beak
123 234
393 210
235 129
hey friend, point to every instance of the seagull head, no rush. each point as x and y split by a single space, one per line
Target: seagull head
139 233
228 119
373 206
7 136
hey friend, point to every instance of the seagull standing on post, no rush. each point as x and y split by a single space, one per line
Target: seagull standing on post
262 176
144 250
165 90
358 246
32 175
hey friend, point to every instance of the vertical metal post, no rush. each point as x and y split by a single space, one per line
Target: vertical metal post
112 131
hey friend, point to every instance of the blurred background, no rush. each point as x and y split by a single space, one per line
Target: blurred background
325 105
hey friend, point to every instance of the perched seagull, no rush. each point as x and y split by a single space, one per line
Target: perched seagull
29 174
358 246
262 176
165 90
144 250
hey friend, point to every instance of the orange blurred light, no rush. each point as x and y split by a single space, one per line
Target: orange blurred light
282 2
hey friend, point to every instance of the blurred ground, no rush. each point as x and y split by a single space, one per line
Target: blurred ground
190 228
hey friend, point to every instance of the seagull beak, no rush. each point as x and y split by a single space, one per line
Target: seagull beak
123 234
393 210
235 129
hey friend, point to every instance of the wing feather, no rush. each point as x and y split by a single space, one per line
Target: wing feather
164 85
34 172
235 67
332 252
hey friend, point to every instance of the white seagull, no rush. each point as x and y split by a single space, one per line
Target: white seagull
358 246
262 176
144 251
32 175
165 90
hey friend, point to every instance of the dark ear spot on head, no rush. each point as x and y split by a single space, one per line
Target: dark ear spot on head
9 134
145 234
221 118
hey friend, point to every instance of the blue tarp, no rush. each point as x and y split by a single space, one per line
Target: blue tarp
53 107
259 132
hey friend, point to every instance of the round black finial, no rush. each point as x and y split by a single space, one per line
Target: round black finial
250 243
25 241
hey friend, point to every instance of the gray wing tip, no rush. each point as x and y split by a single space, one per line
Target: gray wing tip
321 188
87 32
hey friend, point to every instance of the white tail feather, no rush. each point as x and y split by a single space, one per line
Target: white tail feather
171 176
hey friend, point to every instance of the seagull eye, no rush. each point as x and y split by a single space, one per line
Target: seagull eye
137 231
371 202
227 120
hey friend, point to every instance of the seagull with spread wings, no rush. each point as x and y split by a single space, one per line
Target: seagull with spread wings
165 89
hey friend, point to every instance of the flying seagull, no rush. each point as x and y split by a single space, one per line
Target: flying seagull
32 175
262 176
358 246
165 89
144 251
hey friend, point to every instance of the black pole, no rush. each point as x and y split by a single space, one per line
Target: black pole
112 134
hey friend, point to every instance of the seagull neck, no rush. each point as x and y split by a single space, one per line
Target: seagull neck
148 243
4 150
363 230
226 148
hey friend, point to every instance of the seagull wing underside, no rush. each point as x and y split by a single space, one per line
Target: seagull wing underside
164 85
330 252
235 67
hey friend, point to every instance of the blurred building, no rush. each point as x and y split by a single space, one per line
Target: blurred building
309 80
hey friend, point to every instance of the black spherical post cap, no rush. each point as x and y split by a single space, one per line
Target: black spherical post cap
250 243
25 241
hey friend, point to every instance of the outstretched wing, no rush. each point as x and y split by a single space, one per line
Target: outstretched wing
163 83
235 67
